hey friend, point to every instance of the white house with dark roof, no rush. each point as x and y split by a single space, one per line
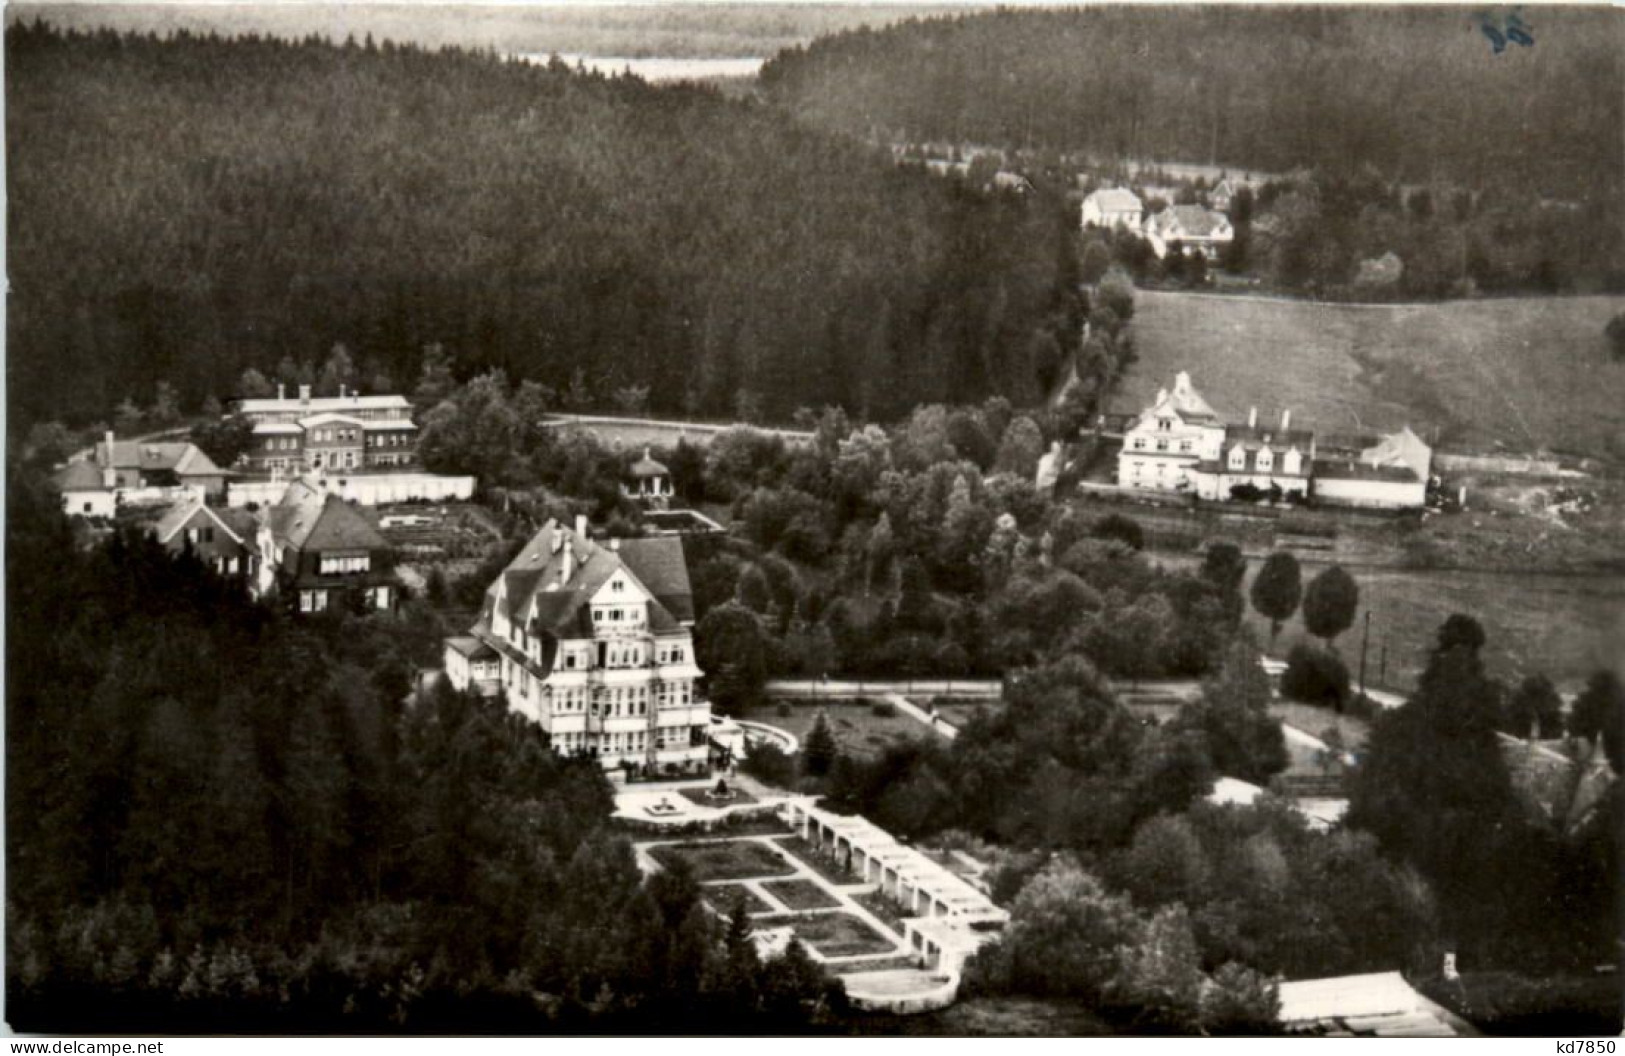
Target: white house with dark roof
1164 445
1263 456
319 552
1391 474
1111 206
221 538
136 472
1180 444
593 640
1195 228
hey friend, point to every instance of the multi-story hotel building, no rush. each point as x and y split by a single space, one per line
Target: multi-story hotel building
334 433
593 640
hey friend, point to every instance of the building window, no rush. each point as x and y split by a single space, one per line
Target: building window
344 564
1162 445
1139 443
1185 447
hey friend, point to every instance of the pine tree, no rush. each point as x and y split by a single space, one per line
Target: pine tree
819 750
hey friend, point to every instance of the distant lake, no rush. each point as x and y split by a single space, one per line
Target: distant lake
657 69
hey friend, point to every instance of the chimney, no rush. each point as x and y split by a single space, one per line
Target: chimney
1182 382
1252 417
1311 447
304 394
581 525
568 569
614 544
341 390
279 392
109 474
1286 420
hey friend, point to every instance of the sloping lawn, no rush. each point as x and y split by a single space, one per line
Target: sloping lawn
724 860
1527 372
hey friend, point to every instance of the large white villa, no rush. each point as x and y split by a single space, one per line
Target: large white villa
1180 444
593 640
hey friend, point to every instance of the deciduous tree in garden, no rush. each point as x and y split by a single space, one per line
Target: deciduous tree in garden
1277 590
1329 604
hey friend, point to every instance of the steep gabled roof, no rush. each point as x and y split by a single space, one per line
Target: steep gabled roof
1115 200
1188 221
1403 448
178 457
659 564
186 512
309 519
536 575
78 476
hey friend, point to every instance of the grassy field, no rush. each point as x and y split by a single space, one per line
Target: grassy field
1564 626
1527 373
732 860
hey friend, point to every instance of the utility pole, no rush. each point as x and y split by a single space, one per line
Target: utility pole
1365 644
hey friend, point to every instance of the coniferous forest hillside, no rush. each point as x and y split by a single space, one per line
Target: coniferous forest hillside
181 209
1414 93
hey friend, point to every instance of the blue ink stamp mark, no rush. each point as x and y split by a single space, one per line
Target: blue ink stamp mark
1500 31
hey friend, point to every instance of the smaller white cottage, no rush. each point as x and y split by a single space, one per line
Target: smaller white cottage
1391 475
1111 206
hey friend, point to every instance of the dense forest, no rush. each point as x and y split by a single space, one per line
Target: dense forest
219 819
181 209
1416 94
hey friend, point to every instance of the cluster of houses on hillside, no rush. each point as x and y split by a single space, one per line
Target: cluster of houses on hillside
1180 444
1192 228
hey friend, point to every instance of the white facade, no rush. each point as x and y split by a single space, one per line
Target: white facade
1111 206
1194 227
1163 447
590 652
367 489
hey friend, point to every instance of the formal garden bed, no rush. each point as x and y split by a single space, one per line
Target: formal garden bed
822 864
724 897
801 894
831 934
883 907
724 859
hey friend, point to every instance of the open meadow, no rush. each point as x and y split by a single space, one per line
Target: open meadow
1522 374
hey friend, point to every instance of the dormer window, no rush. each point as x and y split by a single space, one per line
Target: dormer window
1266 460
1238 457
